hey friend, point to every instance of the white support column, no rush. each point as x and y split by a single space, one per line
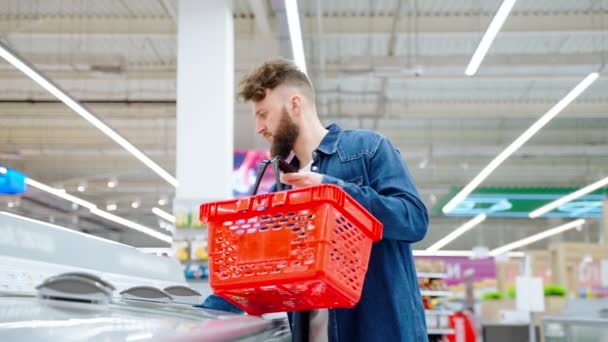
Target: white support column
205 99
205 121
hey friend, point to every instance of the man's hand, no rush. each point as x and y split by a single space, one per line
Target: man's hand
301 179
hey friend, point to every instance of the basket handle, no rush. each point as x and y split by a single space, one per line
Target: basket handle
276 162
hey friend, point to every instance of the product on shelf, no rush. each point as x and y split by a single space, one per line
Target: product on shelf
432 284
195 222
429 303
180 249
429 266
196 271
199 250
182 220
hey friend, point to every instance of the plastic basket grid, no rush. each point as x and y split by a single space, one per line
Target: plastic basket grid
294 250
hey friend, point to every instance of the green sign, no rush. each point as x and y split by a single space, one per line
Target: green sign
519 202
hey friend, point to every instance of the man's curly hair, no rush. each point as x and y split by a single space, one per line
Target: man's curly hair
272 74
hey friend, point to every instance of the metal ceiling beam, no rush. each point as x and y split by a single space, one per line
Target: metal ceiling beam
39 140
168 7
453 110
282 28
439 24
51 209
441 148
363 63
392 48
260 15
475 24
318 46
440 170
98 154
77 26
428 67
39 114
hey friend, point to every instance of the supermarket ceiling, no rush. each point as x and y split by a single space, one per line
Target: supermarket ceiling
390 65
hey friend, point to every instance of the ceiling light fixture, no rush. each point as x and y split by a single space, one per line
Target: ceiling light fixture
112 183
536 237
540 123
459 253
570 197
93 208
135 204
47 84
163 214
59 193
133 225
423 163
82 187
488 37
295 34
456 233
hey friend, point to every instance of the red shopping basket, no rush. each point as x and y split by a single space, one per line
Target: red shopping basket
292 250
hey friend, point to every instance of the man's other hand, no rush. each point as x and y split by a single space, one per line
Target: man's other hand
302 179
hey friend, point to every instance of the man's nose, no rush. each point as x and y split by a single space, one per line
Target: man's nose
260 127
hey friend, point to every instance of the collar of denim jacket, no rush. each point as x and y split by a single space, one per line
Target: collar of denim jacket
329 144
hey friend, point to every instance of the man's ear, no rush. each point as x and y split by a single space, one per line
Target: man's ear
295 104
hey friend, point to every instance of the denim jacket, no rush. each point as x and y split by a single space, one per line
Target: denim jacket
371 170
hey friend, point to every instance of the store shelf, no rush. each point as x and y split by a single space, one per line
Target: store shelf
438 312
440 331
432 275
194 261
435 293
197 280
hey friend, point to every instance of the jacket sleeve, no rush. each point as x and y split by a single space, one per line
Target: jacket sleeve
391 195
218 303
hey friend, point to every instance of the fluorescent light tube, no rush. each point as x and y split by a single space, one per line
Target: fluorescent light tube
93 208
60 227
59 193
45 83
458 253
563 200
456 233
442 253
132 225
540 123
295 34
157 250
163 214
536 237
488 37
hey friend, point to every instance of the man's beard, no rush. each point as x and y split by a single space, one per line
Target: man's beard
285 137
